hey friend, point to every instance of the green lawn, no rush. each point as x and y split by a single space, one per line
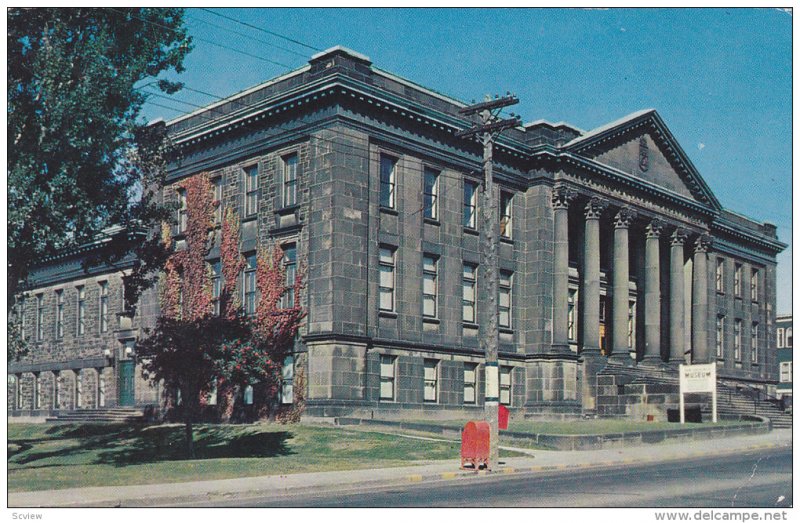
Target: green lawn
43 456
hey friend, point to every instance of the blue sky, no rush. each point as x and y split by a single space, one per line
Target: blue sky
720 78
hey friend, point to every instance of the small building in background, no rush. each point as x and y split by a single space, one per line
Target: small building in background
783 339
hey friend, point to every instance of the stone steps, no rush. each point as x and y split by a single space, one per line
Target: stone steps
111 415
731 401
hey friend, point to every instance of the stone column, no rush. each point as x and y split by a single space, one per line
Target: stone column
562 197
676 297
619 306
590 295
652 293
700 301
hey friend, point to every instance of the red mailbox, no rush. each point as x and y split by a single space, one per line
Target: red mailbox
502 417
475 444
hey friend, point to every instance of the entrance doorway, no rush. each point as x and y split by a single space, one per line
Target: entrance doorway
126 395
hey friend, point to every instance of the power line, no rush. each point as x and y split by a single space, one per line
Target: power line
261 29
248 36
211 42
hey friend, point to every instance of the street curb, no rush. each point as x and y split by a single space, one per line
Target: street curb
270 493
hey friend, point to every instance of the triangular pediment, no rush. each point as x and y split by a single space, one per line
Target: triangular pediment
640 145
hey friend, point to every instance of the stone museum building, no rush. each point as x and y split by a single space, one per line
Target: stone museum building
616 260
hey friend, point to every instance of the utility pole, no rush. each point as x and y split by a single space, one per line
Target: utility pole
487 131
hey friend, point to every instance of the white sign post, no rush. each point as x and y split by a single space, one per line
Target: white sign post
699 378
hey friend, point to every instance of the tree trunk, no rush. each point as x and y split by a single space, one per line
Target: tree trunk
189 433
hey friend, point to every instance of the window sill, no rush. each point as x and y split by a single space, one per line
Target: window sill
505 330
387 314
434 321
506 240
289 209
471 231
431 221
251 218
388 210
468 325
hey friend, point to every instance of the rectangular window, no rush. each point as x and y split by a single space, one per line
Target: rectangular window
17 390
737 339
39 317
290 268
470 382
789 338
779 333
211 397
431 380
720 335
103 312
251 190
388 168
387 278
468 280
430 285
754 343
387 377
504 299
571 303
59 314
470 204
23 322
505 385
289 180
737 280
101 391
216 184
506 207
37 391
786 372
719 275
287 381
78 389
431 194
631 324
754 285
247 395
183 211
81 310
216 285
249 286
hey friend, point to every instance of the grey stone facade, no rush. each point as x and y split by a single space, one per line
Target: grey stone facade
341 116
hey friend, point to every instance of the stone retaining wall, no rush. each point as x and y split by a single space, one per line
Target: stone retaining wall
753 425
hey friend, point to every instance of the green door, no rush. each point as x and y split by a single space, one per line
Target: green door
126 397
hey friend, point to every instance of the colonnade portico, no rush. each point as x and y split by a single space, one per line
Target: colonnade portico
595 209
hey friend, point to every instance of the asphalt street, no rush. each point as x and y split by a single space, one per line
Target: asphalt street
758 478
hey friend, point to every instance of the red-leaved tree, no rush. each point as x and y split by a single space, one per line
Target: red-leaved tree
190 348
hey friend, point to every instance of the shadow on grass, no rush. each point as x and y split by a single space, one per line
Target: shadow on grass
124 444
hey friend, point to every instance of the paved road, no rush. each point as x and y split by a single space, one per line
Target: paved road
749 479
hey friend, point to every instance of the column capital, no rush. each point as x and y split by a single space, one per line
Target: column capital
624 218
595 207
679 236
702 243
655 227
562 196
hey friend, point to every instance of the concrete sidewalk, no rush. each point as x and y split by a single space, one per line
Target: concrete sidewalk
282 485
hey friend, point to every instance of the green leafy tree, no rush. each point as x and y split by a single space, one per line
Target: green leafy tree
80 157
